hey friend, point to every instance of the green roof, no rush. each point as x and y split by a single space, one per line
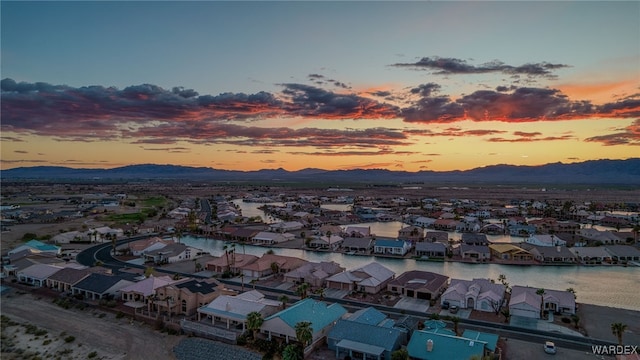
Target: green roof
318 313
445 347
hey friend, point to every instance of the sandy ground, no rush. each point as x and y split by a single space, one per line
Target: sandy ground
95 335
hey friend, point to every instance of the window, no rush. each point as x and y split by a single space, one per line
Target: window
184 306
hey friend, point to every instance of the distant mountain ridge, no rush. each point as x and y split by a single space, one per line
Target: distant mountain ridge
623 172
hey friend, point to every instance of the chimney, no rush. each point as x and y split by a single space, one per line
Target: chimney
558 248
429 345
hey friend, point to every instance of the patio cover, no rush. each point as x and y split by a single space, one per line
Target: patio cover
360 347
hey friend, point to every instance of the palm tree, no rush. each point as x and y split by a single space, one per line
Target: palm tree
284 299
292 352
576 321
254 321
304 332
302 290
227 251
275 268
541 292
618 329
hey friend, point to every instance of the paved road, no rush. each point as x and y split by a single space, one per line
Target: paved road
102 253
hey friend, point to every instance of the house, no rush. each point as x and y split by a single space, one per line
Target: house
598 236
186 296
391 247
526 302
331 242
446 224
233 262
550 255
510 252
371 340
98 286
428 250
424 222
282 227
64 279
492 229
474 239
272 264
361 245
474 252
419 284
623 253
357 231
477 294
411 233
35 247
321 316
521 230
545 240
271 238
314 274
71 236
232 310
138 293
442 345
171 253
139 247
491 340
37 274
371 278
437 236
592 255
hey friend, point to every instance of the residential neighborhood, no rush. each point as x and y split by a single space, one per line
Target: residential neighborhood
256 289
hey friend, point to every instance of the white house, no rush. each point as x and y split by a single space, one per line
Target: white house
526 302
233 310
331 242
286 226
545 240
270 238
477 294
391 247
370 278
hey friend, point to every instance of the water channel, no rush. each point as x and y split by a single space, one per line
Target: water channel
614 286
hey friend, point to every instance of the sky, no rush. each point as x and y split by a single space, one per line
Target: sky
411 86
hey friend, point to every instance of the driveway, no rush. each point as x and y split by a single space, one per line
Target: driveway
408 303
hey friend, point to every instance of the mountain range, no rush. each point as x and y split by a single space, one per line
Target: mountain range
596 172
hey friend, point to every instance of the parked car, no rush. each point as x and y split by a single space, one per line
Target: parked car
550 347
454 309
445 305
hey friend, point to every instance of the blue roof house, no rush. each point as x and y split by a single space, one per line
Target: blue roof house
363 341
36 246
442 345
391 247
321 316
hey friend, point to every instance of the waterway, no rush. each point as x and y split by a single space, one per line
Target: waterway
614 286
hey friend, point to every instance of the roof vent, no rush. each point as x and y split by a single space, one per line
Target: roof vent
429 345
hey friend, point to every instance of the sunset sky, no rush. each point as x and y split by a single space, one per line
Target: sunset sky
335 85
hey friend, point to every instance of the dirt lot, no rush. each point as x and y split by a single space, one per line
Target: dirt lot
107 336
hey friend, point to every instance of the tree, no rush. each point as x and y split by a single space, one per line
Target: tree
226 254
302 289
571 290
541 292
254 322
304 332
507 314
275 268
292 352
400 354
576 321
618 329
284 299
148 271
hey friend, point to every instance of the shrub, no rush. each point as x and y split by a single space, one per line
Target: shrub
119 315
92 354
566 320
69 339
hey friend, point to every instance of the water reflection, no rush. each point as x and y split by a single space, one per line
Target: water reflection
607 286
